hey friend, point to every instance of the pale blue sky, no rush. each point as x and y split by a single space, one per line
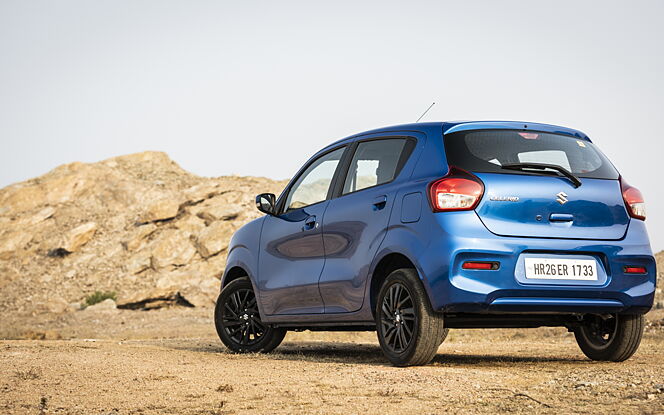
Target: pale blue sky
254 88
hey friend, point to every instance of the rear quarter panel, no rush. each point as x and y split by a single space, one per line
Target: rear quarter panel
409 231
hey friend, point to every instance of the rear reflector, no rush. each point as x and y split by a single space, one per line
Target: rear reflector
635 270
480 265
634 202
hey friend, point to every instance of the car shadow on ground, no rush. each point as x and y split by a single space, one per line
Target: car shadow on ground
371 354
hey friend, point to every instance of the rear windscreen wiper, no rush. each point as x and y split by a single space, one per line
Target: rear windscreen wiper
541 166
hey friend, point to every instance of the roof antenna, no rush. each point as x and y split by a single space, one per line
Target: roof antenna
425 112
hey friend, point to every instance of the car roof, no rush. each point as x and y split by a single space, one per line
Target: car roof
449 127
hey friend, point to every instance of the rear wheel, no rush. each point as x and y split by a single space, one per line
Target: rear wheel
409 331
611 337
444 336
238 321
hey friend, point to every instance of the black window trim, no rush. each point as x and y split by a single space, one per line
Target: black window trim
408 150
280 206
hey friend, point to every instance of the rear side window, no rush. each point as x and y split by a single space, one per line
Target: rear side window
376 162
485 151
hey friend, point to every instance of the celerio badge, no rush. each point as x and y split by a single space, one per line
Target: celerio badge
561 198
504 198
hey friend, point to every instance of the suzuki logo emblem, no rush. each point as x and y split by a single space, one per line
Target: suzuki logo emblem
561 198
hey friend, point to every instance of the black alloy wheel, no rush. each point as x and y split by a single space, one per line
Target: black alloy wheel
238 321
398 318
600 330
240 318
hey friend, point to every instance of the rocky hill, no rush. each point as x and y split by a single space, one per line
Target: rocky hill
136 225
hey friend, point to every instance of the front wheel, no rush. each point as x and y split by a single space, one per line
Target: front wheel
409 331
611 337
238 321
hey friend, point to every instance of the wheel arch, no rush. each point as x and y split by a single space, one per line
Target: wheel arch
387 264
239 269
241 262
234 273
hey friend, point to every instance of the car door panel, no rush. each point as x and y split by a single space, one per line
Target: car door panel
353 231
292 257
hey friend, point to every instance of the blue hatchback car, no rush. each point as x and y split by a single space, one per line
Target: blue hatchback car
415 229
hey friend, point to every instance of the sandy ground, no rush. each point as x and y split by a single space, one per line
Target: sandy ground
170 361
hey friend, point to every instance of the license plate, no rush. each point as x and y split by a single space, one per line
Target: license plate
561 269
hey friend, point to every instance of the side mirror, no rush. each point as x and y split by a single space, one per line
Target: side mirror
265 202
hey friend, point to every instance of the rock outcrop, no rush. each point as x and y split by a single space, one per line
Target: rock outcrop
138 225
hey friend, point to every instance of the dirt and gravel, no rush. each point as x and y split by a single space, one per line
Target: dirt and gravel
170 361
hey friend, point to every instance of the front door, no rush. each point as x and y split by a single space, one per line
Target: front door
292 253
355 223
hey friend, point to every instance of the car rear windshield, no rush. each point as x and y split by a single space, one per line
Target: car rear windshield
485 151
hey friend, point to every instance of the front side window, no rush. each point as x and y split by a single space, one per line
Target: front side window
313 184
374 163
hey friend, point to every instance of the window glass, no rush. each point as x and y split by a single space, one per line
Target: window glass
312 185
556 157
374 163
485 151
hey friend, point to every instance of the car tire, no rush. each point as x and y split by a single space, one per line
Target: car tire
614 338
443 336
409 331
238 322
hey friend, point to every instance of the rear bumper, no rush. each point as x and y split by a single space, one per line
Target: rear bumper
463 237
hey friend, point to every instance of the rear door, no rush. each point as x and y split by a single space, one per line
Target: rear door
540 203
355 223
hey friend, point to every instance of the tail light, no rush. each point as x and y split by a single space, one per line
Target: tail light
458 190
633 198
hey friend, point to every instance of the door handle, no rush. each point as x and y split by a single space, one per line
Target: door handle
310 223
380 202
561 217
